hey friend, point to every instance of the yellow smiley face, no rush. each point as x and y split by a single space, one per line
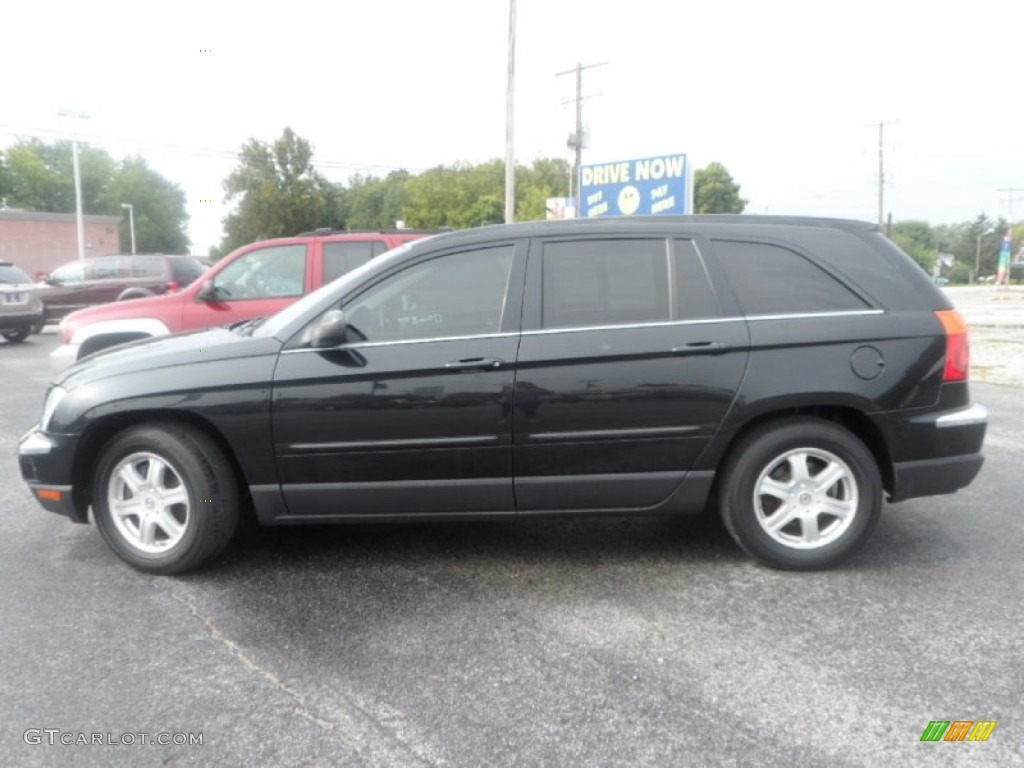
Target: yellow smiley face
629 200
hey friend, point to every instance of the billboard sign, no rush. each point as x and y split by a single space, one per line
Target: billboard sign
652 185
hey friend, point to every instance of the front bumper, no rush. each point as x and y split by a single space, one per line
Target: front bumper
45 462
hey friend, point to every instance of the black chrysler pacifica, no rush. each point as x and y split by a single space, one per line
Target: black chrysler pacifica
789 372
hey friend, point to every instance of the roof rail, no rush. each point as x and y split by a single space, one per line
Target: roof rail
406 231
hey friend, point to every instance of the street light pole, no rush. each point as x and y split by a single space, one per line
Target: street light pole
131 222
79 219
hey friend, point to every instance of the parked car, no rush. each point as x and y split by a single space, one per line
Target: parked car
20 309
788 371
102 279
253 281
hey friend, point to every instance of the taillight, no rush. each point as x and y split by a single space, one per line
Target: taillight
173 286
958 350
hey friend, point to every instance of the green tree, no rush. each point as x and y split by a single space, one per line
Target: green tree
372 203
714 191
978 243
278 192
158 208
40 177
546 178
918 240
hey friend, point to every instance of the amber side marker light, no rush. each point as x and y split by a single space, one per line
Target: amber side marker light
43 493
958 350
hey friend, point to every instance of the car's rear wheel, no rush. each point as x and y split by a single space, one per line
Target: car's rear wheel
16 335
165 497
800 494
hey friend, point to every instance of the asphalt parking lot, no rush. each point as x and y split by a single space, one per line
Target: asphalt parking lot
583 642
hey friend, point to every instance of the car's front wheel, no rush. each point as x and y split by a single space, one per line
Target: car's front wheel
165 497
800 494
16 335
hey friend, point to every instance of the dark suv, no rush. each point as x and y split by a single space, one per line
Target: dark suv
787 371
100 279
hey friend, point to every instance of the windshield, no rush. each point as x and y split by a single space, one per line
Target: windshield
11 274
338 287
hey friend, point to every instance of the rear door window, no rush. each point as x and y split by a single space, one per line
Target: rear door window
343 257
147 266
768 279
605 282
110 268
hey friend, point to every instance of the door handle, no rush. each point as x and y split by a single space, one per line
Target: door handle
475 364
701 348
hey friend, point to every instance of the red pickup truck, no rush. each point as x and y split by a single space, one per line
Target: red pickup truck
254 281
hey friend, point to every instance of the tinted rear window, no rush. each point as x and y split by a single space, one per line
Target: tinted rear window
343 257
147 266
605 282
11 274
772 280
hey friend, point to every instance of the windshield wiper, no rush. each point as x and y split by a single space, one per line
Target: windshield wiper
246 327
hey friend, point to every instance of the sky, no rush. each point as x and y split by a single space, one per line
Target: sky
787 95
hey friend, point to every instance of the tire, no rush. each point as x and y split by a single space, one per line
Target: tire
779 505
38 327
17 335
165 498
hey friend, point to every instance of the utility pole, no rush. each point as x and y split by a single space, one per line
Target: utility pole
510 155
1011 195
881 169
79 218
576 140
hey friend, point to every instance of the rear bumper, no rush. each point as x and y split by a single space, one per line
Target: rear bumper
934 477
12 321
938 452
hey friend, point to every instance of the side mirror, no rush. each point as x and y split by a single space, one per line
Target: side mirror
207 292
331 330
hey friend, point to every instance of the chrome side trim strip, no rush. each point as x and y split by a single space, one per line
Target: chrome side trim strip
427 443
583 328
367 344
975 413
660 324
597 434
802 315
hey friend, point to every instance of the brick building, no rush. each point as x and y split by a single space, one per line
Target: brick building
41 242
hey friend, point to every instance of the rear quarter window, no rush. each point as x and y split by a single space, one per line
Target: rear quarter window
768 279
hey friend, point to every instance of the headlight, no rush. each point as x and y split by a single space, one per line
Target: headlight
53 398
